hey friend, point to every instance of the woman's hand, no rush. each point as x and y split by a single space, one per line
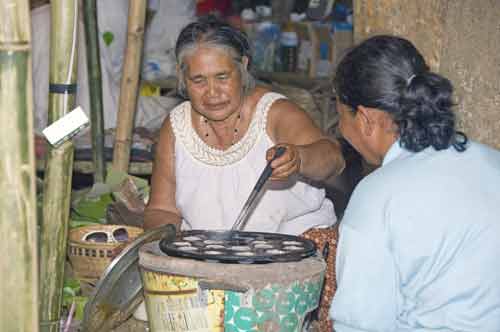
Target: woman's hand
286 165
311 153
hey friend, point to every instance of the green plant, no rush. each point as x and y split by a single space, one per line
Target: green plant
72 295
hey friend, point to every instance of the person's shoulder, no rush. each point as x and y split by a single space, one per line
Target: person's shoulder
282 108
273 103
426 168
376 182
176 117
180 108
166 129
476 154
477 147
480 158
390 177
175 120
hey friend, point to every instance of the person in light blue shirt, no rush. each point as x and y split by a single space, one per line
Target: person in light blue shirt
419 246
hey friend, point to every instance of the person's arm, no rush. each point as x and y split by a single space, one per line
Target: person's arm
161 208
309 152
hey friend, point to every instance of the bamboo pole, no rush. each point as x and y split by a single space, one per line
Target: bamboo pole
53 236
129 84
58 174
18 233
95 89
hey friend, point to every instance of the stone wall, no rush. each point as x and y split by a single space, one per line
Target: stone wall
460 39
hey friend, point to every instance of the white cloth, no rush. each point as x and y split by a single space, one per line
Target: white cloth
213 185
159 43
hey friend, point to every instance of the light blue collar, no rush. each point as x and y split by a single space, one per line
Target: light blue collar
393 153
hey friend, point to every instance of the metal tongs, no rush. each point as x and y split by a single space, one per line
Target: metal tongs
240 222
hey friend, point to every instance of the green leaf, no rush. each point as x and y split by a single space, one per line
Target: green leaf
80 222
72 283
108 37
92 209
71 289
72 293
80 302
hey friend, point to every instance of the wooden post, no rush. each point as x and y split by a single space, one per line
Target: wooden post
129 85
471 60
420 21
58 173
95 90
18 233
53 235
458 39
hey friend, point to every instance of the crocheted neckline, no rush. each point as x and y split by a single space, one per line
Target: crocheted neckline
184 131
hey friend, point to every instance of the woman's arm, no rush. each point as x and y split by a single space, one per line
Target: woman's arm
161 208
309 152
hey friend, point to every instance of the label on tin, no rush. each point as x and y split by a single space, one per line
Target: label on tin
177 304
184 313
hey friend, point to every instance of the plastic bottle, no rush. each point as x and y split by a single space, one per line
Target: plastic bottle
265 45
289 45
324 66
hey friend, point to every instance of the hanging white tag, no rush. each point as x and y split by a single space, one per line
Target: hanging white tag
66 127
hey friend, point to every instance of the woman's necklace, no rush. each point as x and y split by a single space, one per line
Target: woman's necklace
235 130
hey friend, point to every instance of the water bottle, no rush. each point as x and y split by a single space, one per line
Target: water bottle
289 45
265 45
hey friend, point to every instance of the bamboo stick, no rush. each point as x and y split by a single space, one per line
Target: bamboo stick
53 236
58 175
129 84
95 89
18 233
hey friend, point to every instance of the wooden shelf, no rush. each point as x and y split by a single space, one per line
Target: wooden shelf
87 167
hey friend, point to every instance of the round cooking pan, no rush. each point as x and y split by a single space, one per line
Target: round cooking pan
238 246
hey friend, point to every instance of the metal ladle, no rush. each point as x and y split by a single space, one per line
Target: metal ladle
240 222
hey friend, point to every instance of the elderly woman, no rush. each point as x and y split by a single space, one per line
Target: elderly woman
214 146
419 245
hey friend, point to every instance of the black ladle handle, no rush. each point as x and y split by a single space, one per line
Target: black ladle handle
268 170
239 224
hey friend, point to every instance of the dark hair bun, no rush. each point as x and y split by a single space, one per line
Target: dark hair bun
388 73
426 117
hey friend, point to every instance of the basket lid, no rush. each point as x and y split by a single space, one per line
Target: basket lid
119 290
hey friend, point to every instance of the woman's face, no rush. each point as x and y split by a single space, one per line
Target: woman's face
213 82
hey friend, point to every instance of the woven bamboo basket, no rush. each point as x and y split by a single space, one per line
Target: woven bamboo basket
90 259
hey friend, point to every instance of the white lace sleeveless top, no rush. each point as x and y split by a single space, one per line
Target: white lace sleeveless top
212 185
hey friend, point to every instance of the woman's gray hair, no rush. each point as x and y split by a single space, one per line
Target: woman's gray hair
214 33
